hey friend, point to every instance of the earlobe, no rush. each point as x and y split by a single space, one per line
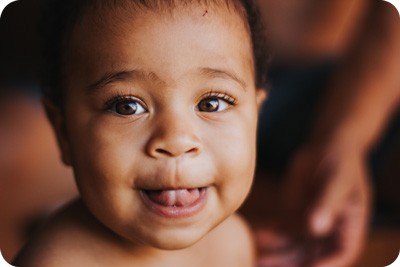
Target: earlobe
261 96
57 121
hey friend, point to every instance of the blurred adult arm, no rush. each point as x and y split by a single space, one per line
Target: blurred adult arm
328 180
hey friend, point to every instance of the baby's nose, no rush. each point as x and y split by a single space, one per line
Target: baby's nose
174 137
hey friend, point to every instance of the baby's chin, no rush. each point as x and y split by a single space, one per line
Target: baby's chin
177 241
174 245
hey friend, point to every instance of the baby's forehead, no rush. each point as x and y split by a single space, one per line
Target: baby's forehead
163 5
99 10
117 39
100 19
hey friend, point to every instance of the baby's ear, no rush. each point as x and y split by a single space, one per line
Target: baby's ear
57 120
261 96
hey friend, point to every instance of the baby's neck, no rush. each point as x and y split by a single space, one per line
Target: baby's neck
122 252
74 237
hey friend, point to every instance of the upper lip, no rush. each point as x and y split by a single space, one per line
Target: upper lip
170 188
172 175
159 182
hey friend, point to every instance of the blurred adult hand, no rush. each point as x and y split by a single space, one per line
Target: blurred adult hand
328 193
328 203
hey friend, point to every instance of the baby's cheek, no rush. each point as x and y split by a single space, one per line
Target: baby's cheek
236 165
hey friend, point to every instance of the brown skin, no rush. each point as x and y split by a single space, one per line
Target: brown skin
169 143
357 121
73 237
328 188
305 31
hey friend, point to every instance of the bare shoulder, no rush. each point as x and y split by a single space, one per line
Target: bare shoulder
66 239
231 244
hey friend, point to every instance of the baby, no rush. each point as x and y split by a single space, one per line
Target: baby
154 104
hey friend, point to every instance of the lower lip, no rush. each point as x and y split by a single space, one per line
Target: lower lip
175 211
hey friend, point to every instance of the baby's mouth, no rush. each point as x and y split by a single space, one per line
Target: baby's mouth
175 203
175 197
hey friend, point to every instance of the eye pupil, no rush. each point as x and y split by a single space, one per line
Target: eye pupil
209 105
126 108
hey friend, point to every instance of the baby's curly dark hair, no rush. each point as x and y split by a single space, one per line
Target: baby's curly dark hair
60 16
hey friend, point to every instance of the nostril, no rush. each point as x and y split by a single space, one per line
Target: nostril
169 153
163 151
193 150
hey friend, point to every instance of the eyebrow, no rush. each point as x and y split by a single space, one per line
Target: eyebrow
224 74
115 76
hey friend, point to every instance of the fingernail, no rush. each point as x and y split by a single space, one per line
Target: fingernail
321 223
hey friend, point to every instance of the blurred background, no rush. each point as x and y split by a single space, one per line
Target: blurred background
33 181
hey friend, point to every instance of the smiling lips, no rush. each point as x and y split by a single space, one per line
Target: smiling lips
175 202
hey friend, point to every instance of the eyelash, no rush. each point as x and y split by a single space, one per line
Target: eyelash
119 98
224 96
210 94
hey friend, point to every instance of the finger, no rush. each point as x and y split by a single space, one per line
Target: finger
345 252
323 217
352 232
335 196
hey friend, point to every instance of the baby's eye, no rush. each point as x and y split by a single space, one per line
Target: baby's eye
212 104
127 107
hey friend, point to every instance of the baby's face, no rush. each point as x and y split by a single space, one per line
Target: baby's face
161 116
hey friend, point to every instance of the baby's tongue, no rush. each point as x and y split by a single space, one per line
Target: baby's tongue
179 197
